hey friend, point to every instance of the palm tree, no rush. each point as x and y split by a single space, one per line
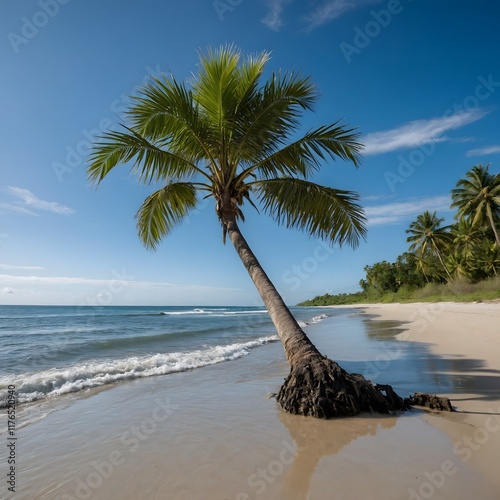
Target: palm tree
423 266
478 196
462 257
227 136
427 237
466 236
488 258
459 267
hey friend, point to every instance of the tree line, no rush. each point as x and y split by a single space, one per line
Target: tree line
466 251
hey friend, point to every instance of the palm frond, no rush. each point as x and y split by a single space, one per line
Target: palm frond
165 112
150 163
163 210
267 119
161 107
306 155
216 82
237 133
324 212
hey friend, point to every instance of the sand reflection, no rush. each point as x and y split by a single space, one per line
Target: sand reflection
316 439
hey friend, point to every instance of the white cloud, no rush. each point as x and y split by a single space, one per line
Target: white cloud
112 283
273 19
376 197
28 199
332 9
52 280
488 150
418 132
10 267
7 290
18 209
393 213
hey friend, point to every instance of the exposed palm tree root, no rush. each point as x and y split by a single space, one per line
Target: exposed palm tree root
430 401
319 387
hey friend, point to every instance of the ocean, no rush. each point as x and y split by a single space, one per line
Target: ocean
173 402
50 351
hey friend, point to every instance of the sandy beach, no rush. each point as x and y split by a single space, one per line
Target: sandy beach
215 434
467 334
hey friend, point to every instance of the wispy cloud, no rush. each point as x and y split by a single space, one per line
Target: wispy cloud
53 280
9 267
488 150
419 132
376 197
28 199
332 9
15 208
69 280
397 212
273 19
7 290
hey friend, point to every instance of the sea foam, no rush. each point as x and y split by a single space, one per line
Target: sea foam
81 376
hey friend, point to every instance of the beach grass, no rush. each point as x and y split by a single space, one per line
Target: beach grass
453 291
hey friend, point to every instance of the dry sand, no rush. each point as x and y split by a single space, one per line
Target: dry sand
213 434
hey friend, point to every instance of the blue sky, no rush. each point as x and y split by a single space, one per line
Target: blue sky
420 80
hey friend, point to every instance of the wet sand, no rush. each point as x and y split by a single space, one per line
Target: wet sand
214 434
467 337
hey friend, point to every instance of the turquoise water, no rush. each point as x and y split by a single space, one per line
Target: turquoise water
51 351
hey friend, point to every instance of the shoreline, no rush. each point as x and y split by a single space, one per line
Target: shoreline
213 433
468 335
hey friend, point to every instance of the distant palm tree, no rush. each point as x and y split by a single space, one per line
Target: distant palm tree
466 236
459 267
423 266
229 137
488 258
427 237
478 196
462 259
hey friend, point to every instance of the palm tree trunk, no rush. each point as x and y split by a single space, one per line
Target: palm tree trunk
295 342
441 260
316 385
423 271
492 224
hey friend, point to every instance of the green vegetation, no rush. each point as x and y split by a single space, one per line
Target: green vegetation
432 292
459 262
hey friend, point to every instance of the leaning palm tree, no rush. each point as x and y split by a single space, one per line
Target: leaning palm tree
428 237
227 136
478 196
